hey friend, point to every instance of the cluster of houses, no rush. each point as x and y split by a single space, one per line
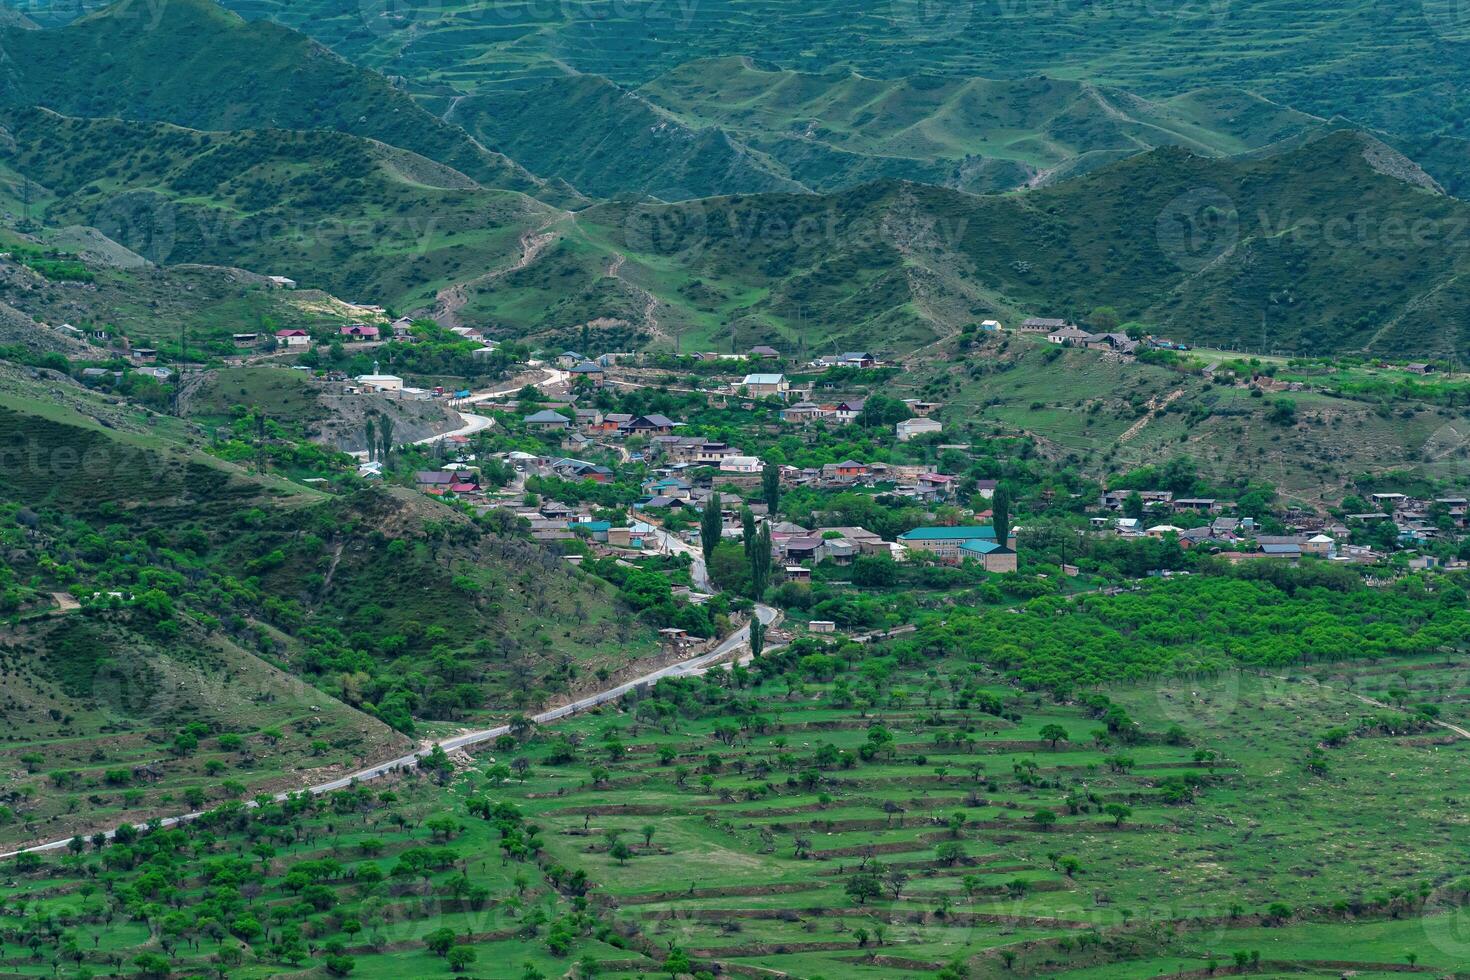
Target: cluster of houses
1418 522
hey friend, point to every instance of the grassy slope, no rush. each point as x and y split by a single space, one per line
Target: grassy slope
149 304
189 62
1080 404
328 209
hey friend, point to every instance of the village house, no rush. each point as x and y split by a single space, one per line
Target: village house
935 486
1115 499
281 282
922 408
245 341
765 385
648 425
588 418
803 412
849 409
358 333
991 326
591 371
1117 342
740 464
1068 335
293 339
545 420
914 428
761 350
1044 325
569 359
143 355
1198 505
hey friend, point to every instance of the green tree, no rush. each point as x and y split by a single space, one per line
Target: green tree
1000 509
771 488
1053 734
460 957
709 527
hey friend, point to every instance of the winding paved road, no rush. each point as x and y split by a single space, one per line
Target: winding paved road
692 666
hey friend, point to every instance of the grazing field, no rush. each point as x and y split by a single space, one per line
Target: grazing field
833 811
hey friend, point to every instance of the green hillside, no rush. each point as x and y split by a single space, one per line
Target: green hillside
1202 249
189 62
727 126
952 131
242 600
1398 67
605 140
1312 239
330 210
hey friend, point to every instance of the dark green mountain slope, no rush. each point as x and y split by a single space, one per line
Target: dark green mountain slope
330 210
1399 67
606 140
195 64
1325 241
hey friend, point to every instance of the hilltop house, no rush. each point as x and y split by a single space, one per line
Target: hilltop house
1068 334
1044 325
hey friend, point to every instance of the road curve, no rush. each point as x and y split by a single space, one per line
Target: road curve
692 666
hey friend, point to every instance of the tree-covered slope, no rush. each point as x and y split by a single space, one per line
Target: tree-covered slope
334 211
196 64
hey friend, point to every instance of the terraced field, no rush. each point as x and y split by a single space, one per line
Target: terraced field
837 812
